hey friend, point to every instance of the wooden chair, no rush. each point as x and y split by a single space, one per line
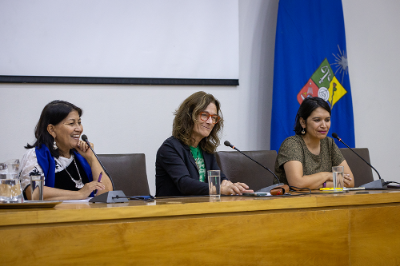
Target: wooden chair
239 168
361 171
128 172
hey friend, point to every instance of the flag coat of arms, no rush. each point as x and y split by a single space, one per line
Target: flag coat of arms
311 61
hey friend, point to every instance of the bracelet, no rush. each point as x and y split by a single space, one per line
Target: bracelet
324 184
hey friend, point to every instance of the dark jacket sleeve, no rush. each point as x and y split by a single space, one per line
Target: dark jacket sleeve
176 171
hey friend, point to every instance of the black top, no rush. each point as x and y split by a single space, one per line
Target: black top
176 170
63 180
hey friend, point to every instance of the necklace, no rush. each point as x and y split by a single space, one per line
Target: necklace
78 183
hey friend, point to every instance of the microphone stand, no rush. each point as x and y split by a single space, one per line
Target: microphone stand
379 184
266 189
88 143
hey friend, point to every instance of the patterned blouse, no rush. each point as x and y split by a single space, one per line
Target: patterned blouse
295 149
29 165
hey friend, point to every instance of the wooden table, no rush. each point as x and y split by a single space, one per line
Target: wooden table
323 229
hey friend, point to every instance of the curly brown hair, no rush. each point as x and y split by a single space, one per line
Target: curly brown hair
187 114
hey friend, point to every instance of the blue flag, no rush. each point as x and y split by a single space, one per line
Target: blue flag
311 60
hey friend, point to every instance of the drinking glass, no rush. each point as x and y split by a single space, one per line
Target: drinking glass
214 183
10 186
338 177
37 187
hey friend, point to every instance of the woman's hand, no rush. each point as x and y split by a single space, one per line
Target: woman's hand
95 166
90 187
229 188
329 176
347 180
84 150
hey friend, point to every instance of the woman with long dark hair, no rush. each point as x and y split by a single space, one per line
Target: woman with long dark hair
305 160
70 168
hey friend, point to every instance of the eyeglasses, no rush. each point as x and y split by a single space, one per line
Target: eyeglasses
204 116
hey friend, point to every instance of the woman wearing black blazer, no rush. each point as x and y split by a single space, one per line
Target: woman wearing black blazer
184 159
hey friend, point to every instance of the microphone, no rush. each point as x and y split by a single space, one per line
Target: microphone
266 189
376 184
85 139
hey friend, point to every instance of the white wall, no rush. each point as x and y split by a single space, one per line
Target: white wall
129 119
373 41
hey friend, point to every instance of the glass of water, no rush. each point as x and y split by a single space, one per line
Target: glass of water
214 183
10 186
338 177
37 187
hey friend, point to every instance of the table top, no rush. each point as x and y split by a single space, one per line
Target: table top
182 206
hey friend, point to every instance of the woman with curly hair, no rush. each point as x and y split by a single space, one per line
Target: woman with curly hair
184 159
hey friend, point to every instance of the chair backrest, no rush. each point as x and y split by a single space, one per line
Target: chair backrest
239 168
128 172
361 171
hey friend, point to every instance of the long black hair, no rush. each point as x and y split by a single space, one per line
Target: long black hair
305 110
52 114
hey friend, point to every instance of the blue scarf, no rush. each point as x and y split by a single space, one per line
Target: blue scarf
48 165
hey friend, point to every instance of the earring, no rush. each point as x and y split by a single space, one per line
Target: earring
302 132
55 145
